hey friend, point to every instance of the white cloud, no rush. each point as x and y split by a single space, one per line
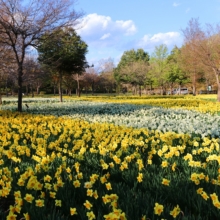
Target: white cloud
149 42
105 36
128 26
108 38
94 28
176 4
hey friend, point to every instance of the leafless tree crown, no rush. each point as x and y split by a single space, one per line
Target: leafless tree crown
23 22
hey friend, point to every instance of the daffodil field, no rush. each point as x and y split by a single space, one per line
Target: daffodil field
110 158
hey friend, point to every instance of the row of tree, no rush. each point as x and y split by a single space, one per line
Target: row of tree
48 26
197 61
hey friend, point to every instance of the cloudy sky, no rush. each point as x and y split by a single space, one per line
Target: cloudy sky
110 27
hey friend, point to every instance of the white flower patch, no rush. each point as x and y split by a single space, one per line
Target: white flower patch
136 116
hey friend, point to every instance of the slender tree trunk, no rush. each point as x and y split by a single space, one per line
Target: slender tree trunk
92 88
161 90
134 90
20 73
78 86
217 73
179 92
139 90
151 87
218 84
218 93
0 98
60 87
194 83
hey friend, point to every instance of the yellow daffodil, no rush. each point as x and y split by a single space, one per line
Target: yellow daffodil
73 211
26 216
39 202
165 182
29 198
175 211
76 183
90 215
58 203
11 216
108 186
140 177
158 209
89 192
87 204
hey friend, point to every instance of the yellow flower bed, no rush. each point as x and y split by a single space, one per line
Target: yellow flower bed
40 156
187 102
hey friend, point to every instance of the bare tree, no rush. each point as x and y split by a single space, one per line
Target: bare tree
6 67
91 78
190 61
78 77
192 65
23 22
105 65
206 45
33 75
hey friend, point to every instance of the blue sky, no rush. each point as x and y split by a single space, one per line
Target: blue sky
110 27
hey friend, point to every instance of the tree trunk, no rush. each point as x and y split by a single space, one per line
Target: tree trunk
54 90
134 90
179 92
38 90
194 90
194 84
60 87
78 86
0 98
20 73
217 73
92 88
161 90
218 93
12 91
139 90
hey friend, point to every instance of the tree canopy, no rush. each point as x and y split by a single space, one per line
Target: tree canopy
64 52
132 67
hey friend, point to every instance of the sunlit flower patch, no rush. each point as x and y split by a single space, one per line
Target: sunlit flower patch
137 116
68 168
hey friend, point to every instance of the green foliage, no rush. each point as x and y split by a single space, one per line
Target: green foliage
174 73
131 66
158 64
63 51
